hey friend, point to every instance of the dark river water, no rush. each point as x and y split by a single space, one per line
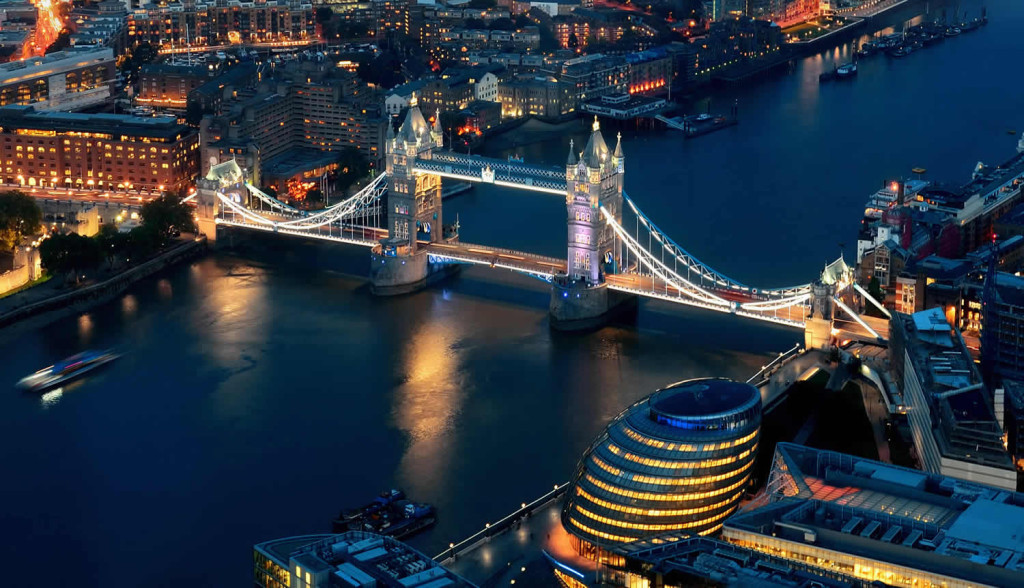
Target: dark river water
257 397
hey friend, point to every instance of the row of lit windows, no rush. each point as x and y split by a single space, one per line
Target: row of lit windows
683 446
668 512
676 465
860 567
661 496
654 527
684 481
601 534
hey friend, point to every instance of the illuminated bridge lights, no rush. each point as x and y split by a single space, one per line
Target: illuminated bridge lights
646 475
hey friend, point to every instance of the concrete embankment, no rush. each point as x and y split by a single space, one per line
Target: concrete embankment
37 312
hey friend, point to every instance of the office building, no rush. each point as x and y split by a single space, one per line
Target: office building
593 76
102 24
96 151
64 80
354 559
294 122
877 523
783 12
677 559
950 411
678 460
540 96
224 22
1002 315
167 85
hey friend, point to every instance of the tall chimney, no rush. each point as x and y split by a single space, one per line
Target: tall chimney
900 192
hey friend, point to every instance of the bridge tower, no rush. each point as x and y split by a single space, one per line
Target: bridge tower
225 178
399 264
594 181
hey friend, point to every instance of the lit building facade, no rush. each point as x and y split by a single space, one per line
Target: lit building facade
96 151
874 522
678 460
224 22
353 559
65 80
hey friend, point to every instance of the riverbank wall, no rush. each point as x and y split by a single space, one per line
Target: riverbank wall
82 298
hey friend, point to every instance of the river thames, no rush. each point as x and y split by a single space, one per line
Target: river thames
257 397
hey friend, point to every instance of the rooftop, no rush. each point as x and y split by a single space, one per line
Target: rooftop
678 557
355 558
888 513
703 398
962 416
26 117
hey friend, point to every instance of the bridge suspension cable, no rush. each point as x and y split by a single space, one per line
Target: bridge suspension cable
270 200
659 269
361 204
707 275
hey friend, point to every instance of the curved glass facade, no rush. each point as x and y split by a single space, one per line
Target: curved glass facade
678 460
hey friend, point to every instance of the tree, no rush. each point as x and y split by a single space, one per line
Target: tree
481 4
474 23
574 42
111 242
194 113
875 290
62 42
69 253
142 242
503 24
352 165
19 216
166 216
324 14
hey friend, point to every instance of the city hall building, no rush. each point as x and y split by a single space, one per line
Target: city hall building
678 460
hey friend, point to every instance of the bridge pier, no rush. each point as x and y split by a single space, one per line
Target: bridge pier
393 274
577 306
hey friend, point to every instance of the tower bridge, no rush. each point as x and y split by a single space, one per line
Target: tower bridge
615 253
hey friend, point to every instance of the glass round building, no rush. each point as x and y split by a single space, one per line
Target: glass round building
678 460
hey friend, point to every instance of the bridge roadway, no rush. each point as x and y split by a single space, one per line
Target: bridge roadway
505 173
536 265
793 316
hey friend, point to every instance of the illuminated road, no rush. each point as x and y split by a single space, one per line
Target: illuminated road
48 26
84 195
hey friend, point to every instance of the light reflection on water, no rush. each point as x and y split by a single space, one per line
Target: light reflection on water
49 399
129 306
427 404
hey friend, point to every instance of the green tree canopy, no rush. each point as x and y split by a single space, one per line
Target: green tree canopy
166 215
69 253
111 242
324 14
19 216
352 165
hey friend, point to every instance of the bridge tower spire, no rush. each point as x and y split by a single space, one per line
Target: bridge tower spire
399 264
593 189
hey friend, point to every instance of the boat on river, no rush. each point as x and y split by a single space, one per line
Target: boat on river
71 368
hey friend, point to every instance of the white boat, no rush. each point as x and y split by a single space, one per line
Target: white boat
886 198
847 70
64 371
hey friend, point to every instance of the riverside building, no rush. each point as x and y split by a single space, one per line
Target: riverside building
949 409
678 460
95 151
354 559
